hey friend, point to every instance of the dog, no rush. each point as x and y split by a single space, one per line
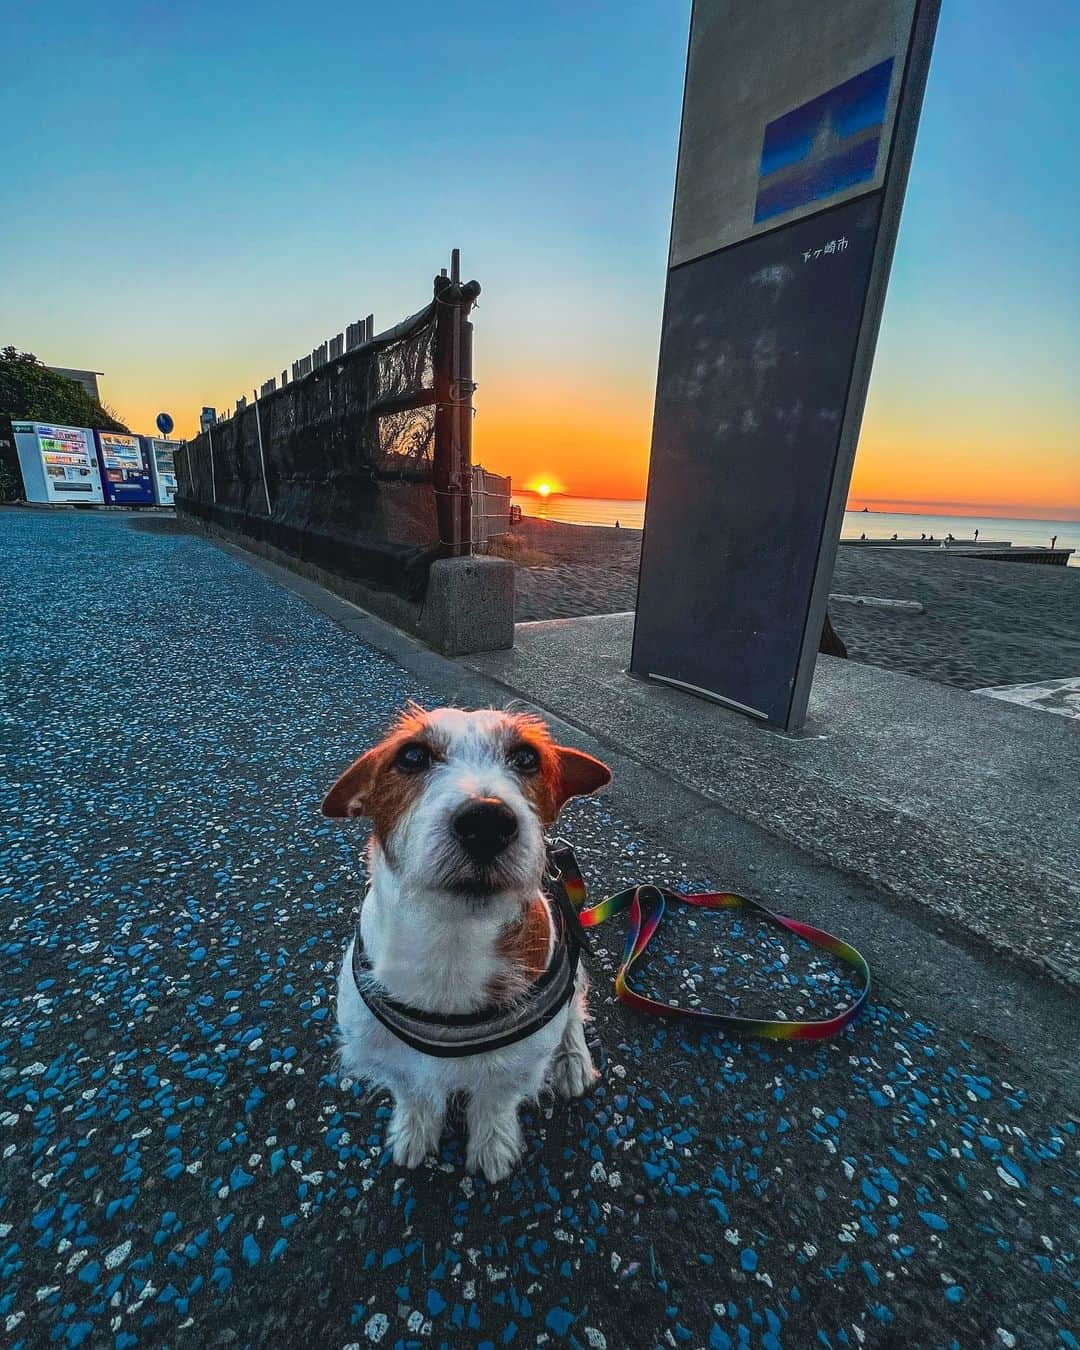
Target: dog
457 938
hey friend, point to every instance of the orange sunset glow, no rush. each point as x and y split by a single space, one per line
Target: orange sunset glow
985 455
963 451
588 442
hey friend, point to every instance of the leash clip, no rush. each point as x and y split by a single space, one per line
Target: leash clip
562 873
551 867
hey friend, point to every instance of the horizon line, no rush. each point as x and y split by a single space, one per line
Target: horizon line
991 510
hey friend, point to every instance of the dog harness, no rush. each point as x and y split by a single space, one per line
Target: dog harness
454 1035
449 1036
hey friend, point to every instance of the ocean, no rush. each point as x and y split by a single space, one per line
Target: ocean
874 524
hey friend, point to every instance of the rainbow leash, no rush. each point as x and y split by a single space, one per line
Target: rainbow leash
647 905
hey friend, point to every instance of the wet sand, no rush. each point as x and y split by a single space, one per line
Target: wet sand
985 623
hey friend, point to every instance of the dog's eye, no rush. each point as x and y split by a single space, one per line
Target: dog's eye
413 758
524 759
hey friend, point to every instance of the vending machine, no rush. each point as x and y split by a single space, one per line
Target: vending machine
161 457
125 473
58 463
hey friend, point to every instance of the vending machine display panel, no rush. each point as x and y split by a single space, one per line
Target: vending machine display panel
161 456
125 473
58 463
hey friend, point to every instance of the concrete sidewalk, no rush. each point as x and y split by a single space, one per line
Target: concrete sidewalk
180 1164
964 806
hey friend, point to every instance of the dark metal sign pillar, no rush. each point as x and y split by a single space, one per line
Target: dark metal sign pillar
454 388
799 119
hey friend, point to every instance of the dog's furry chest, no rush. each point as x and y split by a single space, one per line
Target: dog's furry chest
440 969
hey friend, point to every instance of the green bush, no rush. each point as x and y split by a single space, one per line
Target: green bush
30 392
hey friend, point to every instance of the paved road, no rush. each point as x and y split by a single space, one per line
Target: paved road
181 1165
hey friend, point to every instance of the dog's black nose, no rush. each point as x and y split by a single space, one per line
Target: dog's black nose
484 828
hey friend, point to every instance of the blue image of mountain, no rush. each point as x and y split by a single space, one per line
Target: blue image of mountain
824 146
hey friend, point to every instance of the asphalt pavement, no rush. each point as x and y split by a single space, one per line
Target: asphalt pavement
180 1164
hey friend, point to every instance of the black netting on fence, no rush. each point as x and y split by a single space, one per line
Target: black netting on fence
348 453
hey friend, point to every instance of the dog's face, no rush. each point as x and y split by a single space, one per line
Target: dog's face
459 801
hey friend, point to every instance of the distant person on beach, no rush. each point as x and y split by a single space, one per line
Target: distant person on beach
923 535
1053 541
616 524
863 535
976 536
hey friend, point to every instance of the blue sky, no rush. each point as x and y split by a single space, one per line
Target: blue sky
196 195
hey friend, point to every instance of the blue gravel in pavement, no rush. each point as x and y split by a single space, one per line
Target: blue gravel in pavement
180 1164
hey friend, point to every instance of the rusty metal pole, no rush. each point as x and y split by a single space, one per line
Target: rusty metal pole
461 501
461 411
454 390
443 467
465 427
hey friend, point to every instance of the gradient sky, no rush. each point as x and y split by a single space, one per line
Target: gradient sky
196 195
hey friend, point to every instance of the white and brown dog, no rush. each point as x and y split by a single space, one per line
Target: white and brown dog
458 945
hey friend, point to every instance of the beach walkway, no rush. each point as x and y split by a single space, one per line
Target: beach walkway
181 1165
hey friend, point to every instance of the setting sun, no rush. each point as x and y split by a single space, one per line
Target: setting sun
543 485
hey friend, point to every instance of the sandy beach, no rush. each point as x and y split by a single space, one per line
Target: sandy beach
984 623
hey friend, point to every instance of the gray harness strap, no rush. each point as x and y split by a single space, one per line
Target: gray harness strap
453 1036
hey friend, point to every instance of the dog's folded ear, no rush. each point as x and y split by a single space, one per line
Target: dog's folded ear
579 774
348 797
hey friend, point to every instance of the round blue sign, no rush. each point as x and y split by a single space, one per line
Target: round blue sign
164 423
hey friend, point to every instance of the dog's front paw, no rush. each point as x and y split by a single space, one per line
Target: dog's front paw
495 1147
572 1073
413 1133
